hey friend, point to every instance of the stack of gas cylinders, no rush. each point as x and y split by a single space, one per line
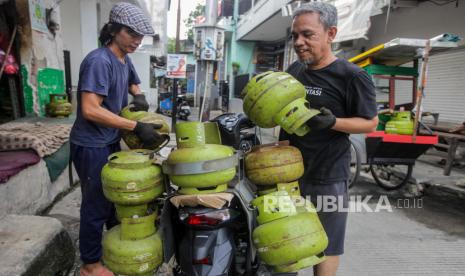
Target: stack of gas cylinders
133 181
290 236
198 165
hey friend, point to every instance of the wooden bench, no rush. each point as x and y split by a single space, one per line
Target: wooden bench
453 140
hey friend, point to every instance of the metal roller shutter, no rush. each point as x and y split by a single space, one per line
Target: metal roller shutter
445 87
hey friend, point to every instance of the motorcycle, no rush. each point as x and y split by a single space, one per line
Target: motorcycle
166 105
184 110
216 241
233 132
210 241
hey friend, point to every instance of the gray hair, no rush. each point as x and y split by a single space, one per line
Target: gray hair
328 12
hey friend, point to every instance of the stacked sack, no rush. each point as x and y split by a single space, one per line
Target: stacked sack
196 166
290 236
131 180
277 98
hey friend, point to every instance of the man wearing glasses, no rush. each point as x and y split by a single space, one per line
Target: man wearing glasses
106 77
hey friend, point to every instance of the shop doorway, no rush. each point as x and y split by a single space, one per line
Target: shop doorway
11 96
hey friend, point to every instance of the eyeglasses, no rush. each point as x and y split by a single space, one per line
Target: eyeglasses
132 33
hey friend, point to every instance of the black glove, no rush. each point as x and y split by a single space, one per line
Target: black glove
322 121
140 103
147 134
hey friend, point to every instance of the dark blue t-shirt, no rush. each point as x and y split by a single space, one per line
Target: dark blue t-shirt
102 73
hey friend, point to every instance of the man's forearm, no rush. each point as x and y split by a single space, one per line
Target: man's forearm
355 125
134 89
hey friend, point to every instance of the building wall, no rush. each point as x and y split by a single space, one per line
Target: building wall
258 14
244 55
39 50
71 26
444 92
424 21
89 26
141 62
159 10
241 52
445 87
83 20
80 31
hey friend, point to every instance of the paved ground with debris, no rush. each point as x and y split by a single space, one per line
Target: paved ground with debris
407 241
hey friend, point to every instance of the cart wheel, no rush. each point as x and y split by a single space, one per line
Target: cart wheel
355 165
391 177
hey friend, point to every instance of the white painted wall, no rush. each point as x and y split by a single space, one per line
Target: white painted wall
105 8
39 49
71 27
141 62
89 27
444 91
159 12
259 13
80 30
82 22
424 21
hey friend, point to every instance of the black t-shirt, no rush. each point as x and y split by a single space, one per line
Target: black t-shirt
348 91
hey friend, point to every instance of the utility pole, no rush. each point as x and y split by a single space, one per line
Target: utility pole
178 28
174 107
209 48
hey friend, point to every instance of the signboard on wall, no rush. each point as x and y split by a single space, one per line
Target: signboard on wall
37 15
176 66
49 81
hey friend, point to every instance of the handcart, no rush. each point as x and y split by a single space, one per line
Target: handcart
391 157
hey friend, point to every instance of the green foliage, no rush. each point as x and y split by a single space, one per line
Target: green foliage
171 45
190 21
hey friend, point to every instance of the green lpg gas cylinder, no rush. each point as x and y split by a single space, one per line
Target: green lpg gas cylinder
400 123
291 188
131 178
133 248
285 242
132 140
59 106
212 133
274 164
273 206
201 169
190 134
273 98
132 115
293 116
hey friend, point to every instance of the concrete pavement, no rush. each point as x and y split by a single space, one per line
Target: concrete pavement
407 241
34 245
